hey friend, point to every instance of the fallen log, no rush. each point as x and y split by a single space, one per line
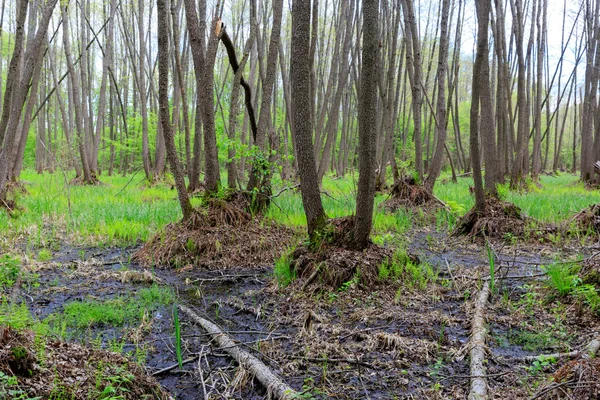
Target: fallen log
479 388
274 385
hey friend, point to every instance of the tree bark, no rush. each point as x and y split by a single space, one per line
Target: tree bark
165 119
301 116
367 103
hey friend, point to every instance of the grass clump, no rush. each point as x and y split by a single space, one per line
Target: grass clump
284 273
407 270
116 312
563 278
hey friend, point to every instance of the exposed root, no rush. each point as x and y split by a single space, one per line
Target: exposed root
479 387
274 385
406 192
74 371
79 181
588 219
500 218
222 234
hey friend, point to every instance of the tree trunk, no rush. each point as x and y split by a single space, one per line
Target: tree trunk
367 102
301 116
165 119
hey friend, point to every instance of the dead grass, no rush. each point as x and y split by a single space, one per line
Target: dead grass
500 218
406 192
223 234
334 260
70 370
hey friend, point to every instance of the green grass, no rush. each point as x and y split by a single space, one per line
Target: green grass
116 312
558 199
123 210
284 273
112 213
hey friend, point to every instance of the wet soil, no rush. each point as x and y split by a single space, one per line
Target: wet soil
342 344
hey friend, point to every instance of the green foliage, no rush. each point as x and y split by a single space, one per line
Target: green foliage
123 210
540 364
492 264
44 255
562 278
284 273
10 268
177 336
588 294
9 389
115 312
402 269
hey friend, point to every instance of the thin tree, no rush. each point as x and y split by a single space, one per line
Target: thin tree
367 109
301 116
163 99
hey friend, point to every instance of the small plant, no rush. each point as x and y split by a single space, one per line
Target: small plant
177 336
284 273
563 278
9 271
44 255
589 295
9 389
540 364
401 268
492 262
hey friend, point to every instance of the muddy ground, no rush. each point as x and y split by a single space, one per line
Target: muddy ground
390 343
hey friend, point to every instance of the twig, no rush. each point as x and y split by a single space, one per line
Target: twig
284 190
171 367
335 360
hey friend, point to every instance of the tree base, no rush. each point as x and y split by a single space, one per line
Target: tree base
222 234
406 192
500 218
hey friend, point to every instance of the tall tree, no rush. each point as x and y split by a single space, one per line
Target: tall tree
415 71
367 104
163 98
435 167
301 116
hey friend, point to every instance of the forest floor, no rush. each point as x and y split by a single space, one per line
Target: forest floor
405 338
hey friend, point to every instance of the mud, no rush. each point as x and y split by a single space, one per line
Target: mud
340 344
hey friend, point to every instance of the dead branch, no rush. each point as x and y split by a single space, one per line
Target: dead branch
478 347
263 374
588 352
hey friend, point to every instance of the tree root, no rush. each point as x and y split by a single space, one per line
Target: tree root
479 388
274 385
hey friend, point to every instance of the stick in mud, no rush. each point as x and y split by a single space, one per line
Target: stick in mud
588 352
479 386
263 374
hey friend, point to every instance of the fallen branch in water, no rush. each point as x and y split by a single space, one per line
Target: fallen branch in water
262 373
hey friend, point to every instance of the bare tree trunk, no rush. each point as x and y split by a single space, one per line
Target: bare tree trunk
20 92
435 166
483 12
301 116
165 119
258 172
414 65
77 101
366 115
